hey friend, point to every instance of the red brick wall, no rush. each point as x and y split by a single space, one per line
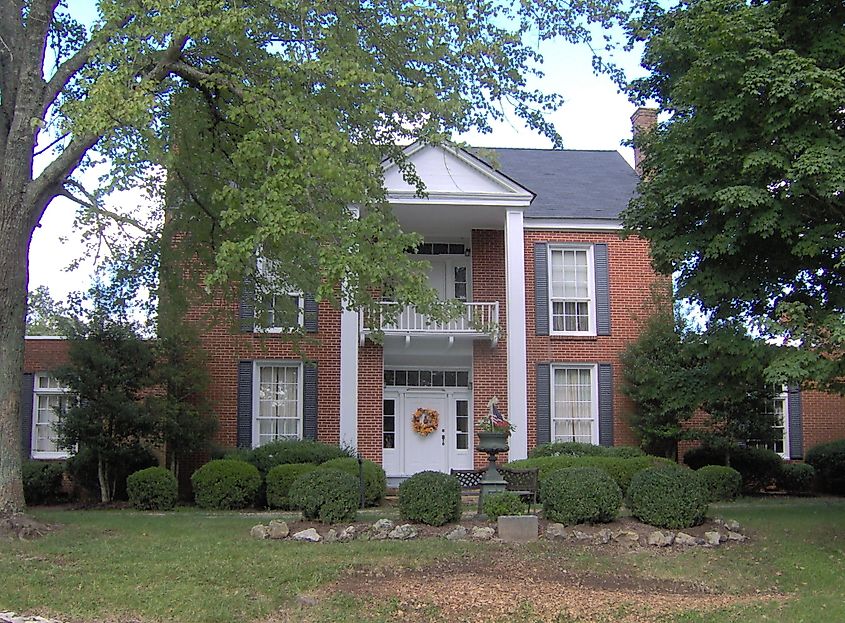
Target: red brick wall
823 417
490 365
226 346
44 355
370 396
631 278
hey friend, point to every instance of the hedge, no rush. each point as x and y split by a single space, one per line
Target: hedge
828 459
288 451
672 497
431 498
225 484
759 467
375 480
721 483
153 489
279 481
42 482
796 478
620 469
575 448
328 495
577 495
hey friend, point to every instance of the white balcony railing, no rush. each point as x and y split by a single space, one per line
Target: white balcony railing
477 320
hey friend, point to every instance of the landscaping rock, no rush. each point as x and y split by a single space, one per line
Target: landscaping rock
682 538
482 533
580 536
712 538
735 536
278 529
628 536
458 533
403 532
306 600
380 530
309 535
11 617
733 525
518 528
603 537
331 536
347 534
259 532
556 531
659 538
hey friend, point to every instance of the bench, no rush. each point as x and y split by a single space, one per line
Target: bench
523 482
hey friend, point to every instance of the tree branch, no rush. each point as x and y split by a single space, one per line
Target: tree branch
198 77
92 203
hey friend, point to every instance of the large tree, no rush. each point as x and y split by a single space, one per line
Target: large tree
304 99
743 192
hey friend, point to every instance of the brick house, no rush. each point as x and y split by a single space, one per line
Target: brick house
530 241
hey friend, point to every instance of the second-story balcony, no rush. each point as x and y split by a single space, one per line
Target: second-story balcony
478 320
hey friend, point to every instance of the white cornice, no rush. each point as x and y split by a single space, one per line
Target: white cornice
565 224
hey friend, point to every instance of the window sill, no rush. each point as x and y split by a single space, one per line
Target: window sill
49 456
579 337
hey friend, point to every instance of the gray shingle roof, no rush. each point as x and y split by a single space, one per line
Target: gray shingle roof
568 183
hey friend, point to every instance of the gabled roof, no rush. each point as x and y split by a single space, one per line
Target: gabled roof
567 183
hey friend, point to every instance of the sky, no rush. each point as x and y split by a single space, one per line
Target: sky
595 115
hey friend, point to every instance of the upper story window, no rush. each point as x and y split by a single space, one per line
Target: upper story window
572 299
49 399
277 311
779 409
278 402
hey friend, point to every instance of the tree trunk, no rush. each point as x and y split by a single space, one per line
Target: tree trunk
105 482
15 234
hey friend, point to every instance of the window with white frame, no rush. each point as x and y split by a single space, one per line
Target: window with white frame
276 310
575 409
49 399
278 403
571 290
779 410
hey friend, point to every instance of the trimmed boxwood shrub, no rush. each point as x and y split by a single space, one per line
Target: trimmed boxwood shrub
620 469
431 498
828 459
575 448
42 482
279 480
580 495
668 497
758 466
721 483
225 484
287 451
796 478
375 480
152 489
503 503
328 495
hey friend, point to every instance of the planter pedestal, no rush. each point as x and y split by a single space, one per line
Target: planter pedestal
491 443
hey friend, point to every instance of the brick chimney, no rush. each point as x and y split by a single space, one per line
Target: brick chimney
643 120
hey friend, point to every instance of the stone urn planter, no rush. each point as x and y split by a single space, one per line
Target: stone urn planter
491 443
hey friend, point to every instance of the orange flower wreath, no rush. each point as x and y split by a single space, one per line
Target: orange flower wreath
425 421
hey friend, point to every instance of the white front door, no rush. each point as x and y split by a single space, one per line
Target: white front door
451 278
428 452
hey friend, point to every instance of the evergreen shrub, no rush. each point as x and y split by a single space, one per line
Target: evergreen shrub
668 498
721 482
828 459
42 482
580 495
327 495
620 469
375 480
225 484
503 503
758 466
152 489
279 480
796 478
431 498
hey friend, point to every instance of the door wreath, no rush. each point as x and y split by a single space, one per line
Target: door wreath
425 421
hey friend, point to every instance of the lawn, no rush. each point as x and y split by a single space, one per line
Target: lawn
189 566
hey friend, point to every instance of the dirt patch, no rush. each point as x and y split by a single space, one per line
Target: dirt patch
505 586
20 526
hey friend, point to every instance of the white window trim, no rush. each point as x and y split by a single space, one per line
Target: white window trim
300 320
594 397
591 284
784 395
256 383
36 392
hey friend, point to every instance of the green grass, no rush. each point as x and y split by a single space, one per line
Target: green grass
191 566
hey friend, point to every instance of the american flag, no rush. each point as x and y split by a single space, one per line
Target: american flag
496 417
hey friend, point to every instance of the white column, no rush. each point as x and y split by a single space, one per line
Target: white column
516 336
349 327
349 378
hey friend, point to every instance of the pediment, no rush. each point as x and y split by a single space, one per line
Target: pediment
450 171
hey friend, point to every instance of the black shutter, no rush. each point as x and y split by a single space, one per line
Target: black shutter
309 402
27 387
246 306
794 417
544 403
605 404
310 312
602 280
244 424
541 288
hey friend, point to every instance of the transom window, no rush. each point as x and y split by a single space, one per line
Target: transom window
279 403
574 400
426 378
49 399
571 290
